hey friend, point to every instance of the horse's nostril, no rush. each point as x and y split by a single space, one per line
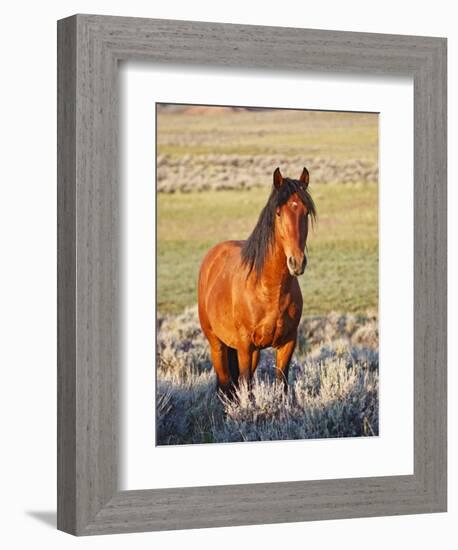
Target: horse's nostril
292 263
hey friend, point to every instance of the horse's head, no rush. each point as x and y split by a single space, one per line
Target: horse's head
294 207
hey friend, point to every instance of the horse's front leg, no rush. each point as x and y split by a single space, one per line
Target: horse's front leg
284 354
245 357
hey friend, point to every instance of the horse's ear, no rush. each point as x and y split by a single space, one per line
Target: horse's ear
304 177
278 178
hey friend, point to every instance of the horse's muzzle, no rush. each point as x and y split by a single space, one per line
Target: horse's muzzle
297 266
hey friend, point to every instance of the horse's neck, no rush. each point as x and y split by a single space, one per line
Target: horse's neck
275 278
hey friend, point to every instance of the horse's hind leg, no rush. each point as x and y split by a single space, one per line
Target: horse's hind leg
219 355
233 365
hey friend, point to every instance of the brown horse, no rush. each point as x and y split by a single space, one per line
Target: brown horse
249 295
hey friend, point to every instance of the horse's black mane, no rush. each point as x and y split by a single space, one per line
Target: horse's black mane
256 247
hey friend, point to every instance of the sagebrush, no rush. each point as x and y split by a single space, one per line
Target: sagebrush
333 389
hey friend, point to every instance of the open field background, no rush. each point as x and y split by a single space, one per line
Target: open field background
214 172
205 149
342 270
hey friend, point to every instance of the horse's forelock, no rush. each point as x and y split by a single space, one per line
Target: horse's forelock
290 187
256 247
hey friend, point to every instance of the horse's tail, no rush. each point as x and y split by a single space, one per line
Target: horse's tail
233 363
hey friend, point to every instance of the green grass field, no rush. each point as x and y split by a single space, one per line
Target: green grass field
342 273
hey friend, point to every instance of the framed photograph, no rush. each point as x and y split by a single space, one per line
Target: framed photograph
251 274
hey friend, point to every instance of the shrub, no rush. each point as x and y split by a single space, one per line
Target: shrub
333 388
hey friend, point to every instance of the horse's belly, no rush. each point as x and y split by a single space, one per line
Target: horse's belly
224 328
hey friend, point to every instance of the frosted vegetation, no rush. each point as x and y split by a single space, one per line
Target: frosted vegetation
221 172
333 385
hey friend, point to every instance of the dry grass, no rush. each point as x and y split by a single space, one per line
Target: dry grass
333 385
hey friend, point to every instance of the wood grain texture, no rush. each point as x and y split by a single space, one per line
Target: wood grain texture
90 48
66 275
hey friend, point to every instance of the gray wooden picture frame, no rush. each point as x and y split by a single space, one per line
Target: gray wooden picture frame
89 49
